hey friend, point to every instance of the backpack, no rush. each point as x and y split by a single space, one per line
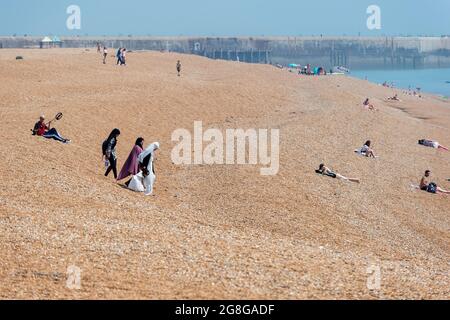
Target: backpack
432 188
104 147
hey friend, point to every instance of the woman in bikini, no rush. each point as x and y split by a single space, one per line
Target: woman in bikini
328 172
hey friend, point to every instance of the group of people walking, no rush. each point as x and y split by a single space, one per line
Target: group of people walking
139 164
121 56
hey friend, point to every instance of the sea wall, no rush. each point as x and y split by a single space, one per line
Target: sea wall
352 52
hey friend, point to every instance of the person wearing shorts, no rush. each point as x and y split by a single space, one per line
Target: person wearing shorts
329 173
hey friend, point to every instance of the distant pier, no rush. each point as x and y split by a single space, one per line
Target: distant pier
351 52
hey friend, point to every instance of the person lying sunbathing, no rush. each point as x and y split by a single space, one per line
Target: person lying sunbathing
329 173
43 129
430 187
394 98
432 144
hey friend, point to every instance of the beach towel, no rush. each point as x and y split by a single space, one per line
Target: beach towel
414 186
131 166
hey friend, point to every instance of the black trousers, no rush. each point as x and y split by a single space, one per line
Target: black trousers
112 167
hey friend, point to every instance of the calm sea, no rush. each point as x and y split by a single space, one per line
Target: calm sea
435 81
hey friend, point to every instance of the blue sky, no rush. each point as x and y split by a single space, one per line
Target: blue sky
224 18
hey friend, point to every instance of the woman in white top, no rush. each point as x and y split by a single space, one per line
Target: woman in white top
145 179
367 150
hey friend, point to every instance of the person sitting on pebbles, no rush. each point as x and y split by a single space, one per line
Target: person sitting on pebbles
430 187
368 105
43 129
329 173
366 150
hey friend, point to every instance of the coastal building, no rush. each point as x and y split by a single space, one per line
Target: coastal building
46 43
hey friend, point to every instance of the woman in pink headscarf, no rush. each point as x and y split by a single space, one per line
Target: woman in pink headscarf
131 166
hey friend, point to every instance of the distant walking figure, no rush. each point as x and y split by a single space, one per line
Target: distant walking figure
109 152
105 54
118 56
329 173
123 57
179 68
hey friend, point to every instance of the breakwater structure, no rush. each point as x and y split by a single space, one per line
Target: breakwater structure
351 52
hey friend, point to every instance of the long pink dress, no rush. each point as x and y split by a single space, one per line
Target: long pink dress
131 166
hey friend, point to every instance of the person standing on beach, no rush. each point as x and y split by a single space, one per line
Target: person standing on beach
109 152
118 56
179 68
123 57
105 54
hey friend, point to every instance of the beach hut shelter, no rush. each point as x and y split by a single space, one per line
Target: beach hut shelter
46 43
56 42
